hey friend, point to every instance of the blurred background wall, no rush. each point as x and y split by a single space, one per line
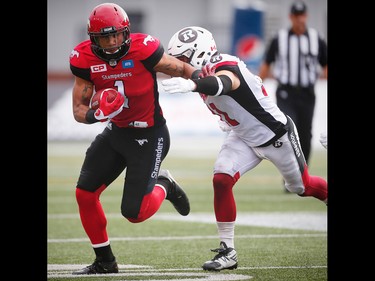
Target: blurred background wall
67 23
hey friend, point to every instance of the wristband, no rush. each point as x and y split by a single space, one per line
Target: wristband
195 74
90 116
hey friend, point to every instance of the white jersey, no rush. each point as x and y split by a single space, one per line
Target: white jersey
249 110
258 128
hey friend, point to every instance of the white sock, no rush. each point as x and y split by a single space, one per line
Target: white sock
226 232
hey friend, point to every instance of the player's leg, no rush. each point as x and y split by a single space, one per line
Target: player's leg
306 109
234 159
290 161
144 189
145 150
94 178
175 194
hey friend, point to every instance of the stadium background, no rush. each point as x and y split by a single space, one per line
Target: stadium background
67 27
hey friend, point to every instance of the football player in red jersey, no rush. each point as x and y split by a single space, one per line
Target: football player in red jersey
136 136
257 130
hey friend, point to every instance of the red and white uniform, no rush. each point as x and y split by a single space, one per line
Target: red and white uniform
258 129
250 112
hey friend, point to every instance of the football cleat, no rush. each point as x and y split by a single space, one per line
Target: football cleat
225 259
176 194
98 267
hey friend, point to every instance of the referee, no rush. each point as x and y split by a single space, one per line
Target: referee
299 58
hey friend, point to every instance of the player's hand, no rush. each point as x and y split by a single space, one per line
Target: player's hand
323 139
207 71
108 110
178 85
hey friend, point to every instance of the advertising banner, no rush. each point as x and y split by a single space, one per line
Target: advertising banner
248 39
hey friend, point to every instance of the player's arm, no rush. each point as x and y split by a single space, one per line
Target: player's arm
108 108
264 70
213 85
232 76
82 92
174 67
269 58
324 74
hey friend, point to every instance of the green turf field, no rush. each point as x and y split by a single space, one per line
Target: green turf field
279 236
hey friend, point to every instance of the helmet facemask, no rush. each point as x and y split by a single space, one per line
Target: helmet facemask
185 56
107 54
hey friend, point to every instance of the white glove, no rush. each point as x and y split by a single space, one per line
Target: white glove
324 140
178 85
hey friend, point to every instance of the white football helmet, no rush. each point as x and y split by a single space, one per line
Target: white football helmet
193 44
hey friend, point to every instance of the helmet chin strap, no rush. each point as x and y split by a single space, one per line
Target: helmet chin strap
110 53
112 62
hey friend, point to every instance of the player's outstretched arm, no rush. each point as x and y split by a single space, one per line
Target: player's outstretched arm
213 85
174 67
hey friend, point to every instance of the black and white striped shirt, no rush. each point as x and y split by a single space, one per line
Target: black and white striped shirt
297 59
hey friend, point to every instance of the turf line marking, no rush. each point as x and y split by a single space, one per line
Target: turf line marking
196 276
156 238
316 221
64 271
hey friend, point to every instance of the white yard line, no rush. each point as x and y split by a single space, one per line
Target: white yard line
316 221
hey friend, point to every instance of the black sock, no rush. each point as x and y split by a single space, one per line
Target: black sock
164 182
104 254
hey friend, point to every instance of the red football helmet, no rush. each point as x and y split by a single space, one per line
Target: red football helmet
108 19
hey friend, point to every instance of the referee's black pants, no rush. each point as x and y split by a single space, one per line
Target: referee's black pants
299 104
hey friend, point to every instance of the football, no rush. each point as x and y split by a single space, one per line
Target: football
97 96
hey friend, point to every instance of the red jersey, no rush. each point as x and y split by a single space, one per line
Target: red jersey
133 77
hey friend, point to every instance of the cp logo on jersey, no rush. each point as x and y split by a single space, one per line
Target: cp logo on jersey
98 68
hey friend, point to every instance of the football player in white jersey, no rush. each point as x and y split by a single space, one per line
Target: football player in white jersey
257 130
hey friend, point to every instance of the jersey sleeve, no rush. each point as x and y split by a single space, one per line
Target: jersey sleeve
155 57
83 73
270 54
323 60
78 62
148 48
